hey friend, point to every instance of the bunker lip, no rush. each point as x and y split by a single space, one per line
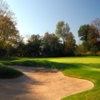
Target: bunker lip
39 83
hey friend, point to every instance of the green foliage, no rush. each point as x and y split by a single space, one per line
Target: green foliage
62 30
92 37
9 35
94 49
83 32
70 44
80 50
89 53
51 45
88 34
33 48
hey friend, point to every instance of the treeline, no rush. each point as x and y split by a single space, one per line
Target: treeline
60 43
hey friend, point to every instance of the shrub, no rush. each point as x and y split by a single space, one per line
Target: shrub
80 50
89 53
98 53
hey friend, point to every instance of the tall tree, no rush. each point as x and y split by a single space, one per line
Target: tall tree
62 30
33 46
88 34
9 35
50 45
46 44
70 44
83 32
8 30
93 33
96 24
34 37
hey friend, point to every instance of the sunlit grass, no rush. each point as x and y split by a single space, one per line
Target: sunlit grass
82 60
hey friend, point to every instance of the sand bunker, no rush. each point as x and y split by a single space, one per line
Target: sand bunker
41 84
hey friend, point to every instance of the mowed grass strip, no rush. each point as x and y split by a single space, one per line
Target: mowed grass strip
79 67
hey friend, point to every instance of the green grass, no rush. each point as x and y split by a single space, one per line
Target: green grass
7 72
79 67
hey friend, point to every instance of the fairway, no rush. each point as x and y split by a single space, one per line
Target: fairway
79 67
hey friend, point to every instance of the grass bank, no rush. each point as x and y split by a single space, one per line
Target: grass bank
8 73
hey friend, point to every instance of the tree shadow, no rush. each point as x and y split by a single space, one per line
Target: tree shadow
53 65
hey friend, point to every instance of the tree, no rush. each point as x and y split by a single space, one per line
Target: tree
46 44
34 37
88 34
96 24
33 46
50 45
80 50
83 32
62 30
8 32
70 44
92 38
3 50
54 45
92 35
21 49
9 35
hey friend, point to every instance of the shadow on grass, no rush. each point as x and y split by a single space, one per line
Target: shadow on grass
79 70
7 72
8 59
50 64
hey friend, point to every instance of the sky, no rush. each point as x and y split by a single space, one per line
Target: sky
40 16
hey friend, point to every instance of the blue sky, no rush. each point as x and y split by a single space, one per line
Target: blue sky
40 16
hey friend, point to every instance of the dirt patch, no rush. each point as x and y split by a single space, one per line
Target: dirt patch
41 84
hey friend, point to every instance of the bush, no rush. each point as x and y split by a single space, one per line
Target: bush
94 49
80 50
98 53
89 53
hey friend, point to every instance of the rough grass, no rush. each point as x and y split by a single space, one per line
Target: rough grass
79 67
8 73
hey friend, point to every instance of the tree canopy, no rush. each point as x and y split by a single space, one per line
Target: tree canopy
83 32
62 30
60 43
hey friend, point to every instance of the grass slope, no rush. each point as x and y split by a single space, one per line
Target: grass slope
8 73
79 67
